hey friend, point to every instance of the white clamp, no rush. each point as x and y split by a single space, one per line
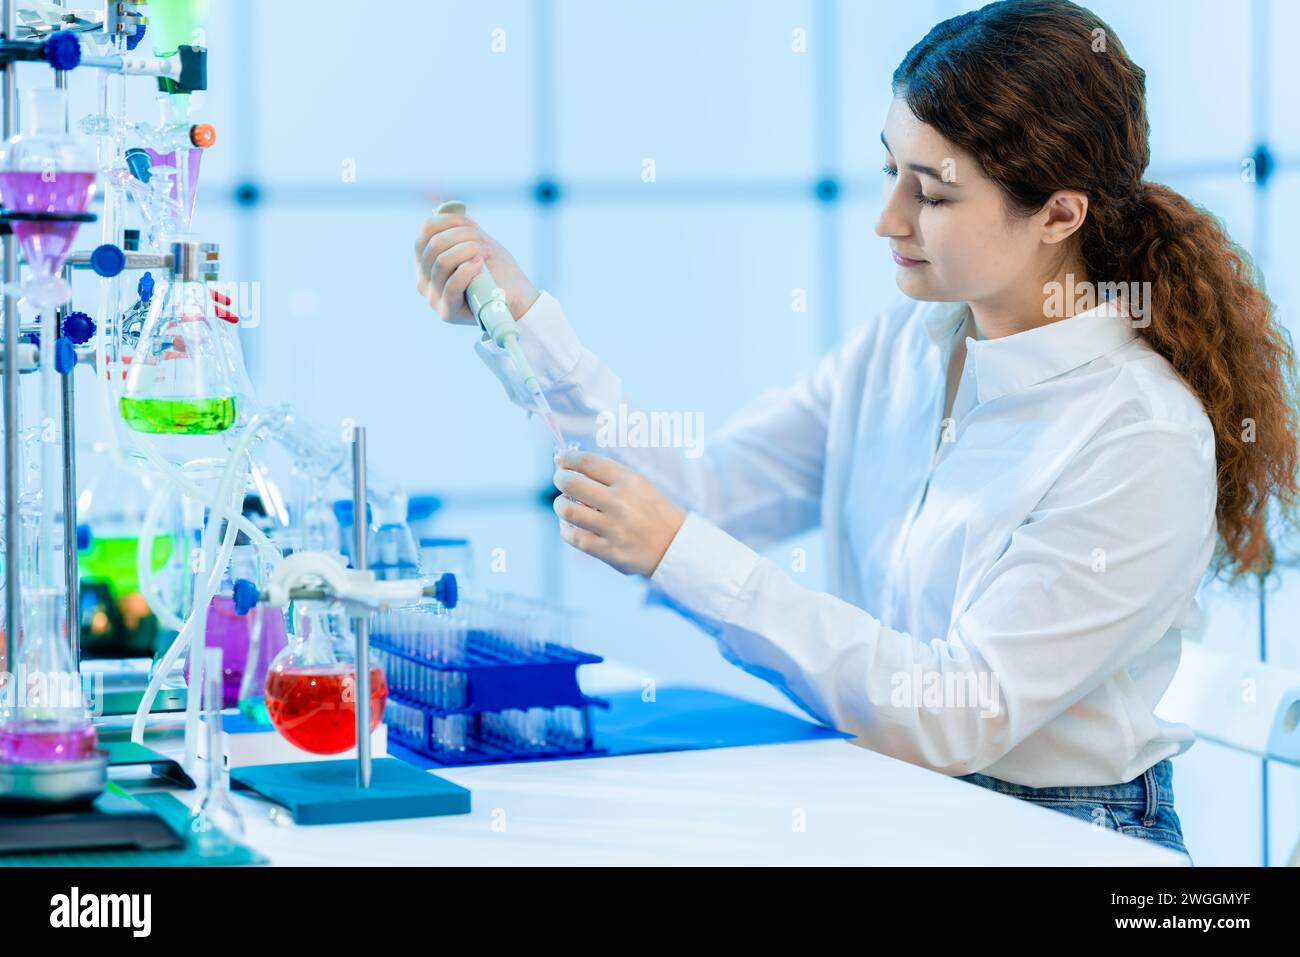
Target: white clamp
347 585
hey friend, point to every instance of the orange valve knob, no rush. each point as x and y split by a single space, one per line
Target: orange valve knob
203 135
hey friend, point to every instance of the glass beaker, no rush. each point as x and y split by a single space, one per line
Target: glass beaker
266 639
439 555
48 721
180 380
394 555
311 689
46 184
116 619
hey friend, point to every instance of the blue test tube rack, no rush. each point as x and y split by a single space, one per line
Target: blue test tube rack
492 693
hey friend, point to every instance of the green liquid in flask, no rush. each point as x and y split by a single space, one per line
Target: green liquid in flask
179 416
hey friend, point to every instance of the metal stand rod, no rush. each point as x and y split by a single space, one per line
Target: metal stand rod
13 546
360 526
71 573
68 432
326 594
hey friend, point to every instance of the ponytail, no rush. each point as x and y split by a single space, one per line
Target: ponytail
987 80
1211 319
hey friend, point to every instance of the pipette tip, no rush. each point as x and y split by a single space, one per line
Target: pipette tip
544 410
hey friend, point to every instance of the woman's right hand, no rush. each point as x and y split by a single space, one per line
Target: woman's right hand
450 251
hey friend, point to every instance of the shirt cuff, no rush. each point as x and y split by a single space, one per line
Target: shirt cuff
548 342
705 569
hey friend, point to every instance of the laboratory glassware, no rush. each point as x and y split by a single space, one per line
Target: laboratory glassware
232 631
47 720
180 380
173 23
46 184
311 686
213 821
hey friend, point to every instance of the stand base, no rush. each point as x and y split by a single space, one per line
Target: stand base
111 822
326 792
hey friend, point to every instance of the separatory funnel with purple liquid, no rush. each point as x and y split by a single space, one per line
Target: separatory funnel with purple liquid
46 187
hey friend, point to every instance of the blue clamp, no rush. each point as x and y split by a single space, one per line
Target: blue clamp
445 590
63 50
83 536
108 260
144 288
134 39
78 327
245 596
65 355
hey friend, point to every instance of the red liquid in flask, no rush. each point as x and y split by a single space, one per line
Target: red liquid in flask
314 707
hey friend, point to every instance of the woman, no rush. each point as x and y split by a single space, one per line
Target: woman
1023 475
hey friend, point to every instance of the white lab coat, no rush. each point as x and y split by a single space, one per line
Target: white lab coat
1007 594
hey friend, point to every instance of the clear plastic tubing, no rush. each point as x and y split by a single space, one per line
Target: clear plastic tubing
220 504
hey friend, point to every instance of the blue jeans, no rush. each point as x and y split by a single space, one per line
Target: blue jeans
1144 807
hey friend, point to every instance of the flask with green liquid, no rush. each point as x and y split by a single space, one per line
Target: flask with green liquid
181 377
175 22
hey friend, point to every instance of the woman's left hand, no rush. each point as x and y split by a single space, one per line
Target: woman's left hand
612 513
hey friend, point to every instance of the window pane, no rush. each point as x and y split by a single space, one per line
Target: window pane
346 336
695 306
441 103
702 90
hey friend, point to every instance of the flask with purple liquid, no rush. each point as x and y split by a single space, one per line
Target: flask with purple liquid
47 720
249 641
46 184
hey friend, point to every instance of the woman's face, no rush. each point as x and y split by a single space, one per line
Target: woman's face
948 226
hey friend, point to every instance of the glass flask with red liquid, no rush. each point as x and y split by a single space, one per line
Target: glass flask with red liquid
47 181
311 688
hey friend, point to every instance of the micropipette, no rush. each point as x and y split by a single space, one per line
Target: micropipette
488 303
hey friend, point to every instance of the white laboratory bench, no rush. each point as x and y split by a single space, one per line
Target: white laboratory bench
814 802
805 803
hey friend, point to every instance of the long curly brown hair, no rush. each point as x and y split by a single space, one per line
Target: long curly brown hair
1043 95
